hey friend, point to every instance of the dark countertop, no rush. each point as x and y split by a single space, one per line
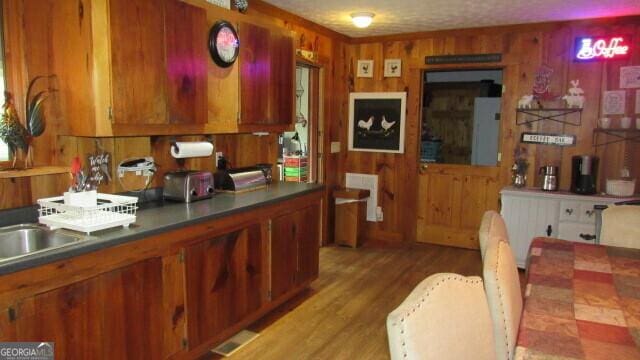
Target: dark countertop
162 217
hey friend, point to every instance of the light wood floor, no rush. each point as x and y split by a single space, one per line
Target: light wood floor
343 315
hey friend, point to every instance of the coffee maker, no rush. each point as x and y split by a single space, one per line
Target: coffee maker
584 170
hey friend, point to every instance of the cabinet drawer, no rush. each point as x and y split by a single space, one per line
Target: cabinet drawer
587 214
570 210
577 232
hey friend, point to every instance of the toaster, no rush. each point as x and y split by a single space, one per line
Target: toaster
188 186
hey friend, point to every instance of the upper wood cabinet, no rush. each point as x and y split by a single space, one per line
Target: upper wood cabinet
267 71
130 67
142 67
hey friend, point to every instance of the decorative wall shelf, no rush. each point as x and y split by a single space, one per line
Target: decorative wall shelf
35 171
618 135
552 114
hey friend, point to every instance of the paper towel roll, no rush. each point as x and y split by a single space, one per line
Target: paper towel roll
181 150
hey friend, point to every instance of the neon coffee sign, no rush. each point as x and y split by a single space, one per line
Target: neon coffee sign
602 48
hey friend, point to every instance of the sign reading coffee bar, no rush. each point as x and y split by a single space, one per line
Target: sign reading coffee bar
548 139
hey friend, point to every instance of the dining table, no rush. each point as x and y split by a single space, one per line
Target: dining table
581 301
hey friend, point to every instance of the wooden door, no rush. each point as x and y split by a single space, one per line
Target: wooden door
255 73
451 202
307 234
284 254
224 281
283 68
138 62
186 56
116 315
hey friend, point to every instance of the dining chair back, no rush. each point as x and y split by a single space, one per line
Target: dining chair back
621 226
502 286
492 229
445 317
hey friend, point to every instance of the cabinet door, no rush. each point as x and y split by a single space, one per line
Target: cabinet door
116 315
284 254
283 67
224 280
186 55
527 218
255 73
138 62
307 234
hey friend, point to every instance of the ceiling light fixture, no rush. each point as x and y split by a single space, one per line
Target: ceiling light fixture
362 19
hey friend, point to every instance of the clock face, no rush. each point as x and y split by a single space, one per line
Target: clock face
223 44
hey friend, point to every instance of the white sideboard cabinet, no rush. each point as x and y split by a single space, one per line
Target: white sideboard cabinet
531 213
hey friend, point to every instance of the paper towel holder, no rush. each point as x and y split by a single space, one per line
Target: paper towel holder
181 161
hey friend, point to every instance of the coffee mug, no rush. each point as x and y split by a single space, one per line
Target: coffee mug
625 122
605 122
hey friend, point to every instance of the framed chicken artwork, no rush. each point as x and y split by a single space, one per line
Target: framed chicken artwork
377 121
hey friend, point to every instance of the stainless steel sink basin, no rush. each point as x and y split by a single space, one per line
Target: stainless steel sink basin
25 239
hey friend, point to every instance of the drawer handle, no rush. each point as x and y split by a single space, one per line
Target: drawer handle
590 212
587 237
568 211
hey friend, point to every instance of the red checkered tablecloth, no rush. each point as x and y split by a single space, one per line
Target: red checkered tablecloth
582 301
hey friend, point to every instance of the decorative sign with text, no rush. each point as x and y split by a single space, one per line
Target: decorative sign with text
462 59
602 48
548 139
99 168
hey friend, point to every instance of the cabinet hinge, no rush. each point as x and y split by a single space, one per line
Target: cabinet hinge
11 313
110 113
181 256
185 343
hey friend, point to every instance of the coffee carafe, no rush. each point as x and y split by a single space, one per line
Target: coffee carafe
549 177
584 169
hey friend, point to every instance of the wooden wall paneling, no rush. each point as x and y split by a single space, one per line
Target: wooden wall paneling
186 60
137 57
15 192
248 149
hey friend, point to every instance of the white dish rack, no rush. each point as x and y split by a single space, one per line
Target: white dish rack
110 211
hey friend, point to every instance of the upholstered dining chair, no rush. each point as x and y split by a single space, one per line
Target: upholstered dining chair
492 229
445 317
502 286
621 226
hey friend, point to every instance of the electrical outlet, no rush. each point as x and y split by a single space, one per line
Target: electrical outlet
219 154
335 147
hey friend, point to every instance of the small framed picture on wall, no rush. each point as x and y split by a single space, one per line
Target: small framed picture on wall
365 69
392 68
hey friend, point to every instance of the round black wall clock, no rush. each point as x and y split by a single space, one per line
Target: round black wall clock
224 45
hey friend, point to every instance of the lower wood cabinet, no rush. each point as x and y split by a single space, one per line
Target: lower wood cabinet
174 295
225 281
295 239
115 315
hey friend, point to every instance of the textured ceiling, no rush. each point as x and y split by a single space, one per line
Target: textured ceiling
403 16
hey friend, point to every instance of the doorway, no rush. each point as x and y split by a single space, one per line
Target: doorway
300 156
459 154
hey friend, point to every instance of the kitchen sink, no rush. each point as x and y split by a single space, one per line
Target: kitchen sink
25 239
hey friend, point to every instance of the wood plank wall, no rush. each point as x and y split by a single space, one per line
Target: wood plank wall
524 49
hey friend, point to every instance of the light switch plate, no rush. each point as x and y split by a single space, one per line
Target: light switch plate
335 147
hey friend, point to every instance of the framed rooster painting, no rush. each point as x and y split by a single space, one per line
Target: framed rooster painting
377 121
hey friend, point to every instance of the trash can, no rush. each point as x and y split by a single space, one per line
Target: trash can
351 213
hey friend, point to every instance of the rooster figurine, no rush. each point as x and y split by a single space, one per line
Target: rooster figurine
13 133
